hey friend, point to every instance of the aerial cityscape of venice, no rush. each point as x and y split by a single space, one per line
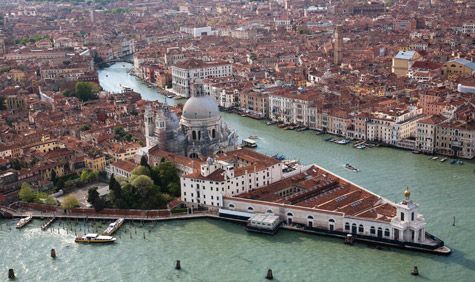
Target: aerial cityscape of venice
237 140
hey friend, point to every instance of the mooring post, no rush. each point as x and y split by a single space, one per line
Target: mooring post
415 271
269 275
11 274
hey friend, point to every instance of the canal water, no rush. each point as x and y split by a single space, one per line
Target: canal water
212 250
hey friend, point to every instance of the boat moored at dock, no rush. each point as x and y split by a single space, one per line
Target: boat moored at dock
114 226
23 222
95 239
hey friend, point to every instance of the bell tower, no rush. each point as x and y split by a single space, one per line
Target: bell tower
338 47
149 125
2 44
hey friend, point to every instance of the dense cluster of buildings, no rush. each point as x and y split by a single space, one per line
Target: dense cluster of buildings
400 73
362 70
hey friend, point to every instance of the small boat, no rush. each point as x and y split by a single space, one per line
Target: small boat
94 238
170 96
416 152
254 137
114 226
330 139
360 147
282 125
352 168
24 221
271 122
349 239
302 129
443 160
342 141
249 143
279 157
435 158
456 162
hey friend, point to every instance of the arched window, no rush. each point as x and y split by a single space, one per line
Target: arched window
199 135
372 230
213 133
412 216
386 232
361 228
290 214
269 211
331 224
310 217
402 216
231 206
353 228
193 135
331 220
347 226
250 208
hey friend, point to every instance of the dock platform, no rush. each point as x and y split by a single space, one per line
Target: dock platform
45 226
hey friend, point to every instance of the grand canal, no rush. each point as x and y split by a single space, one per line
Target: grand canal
214 250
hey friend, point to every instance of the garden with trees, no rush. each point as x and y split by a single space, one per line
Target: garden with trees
147 187
84 91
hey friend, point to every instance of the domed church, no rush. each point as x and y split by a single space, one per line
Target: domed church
199 133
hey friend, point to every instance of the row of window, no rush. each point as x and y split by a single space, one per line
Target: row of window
360 229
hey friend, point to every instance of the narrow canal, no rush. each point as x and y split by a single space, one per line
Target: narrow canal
214 250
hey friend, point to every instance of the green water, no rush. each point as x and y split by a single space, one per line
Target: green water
215 250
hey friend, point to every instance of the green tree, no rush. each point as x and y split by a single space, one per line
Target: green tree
26 193
92 195
85 127
94 199
88 175
142 182
141 170
86 91
116 195
169 179
121 135
50 200
70 202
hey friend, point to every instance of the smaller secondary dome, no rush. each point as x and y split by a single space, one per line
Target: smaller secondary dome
407 193
200 107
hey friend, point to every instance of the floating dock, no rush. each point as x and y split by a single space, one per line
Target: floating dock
24 221
48 223
113 227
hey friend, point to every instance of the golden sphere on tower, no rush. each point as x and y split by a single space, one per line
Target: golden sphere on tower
407 193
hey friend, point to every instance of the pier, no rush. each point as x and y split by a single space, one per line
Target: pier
45 226
113 227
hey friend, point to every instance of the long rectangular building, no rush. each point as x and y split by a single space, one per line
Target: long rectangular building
309 197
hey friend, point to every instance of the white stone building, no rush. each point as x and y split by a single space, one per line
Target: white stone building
230 174
185 73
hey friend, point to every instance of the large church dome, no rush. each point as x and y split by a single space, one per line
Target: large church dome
200 107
